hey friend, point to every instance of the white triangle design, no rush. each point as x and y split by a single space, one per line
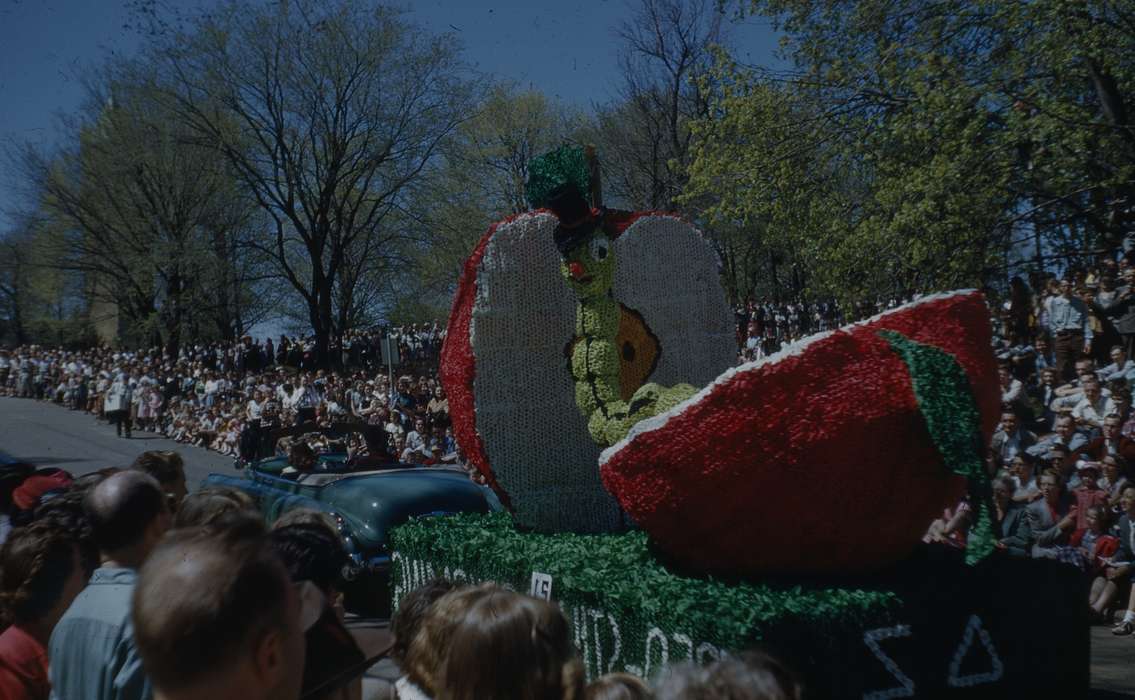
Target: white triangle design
996 670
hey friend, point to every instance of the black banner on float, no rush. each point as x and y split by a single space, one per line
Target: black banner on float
1003 628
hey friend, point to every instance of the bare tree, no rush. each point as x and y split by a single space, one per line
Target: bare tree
644 137
328 113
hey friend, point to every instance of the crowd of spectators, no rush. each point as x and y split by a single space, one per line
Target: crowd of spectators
189 594
233 398
765 327
1062 454
121 585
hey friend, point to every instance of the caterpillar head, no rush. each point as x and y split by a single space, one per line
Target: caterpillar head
587 262
589 267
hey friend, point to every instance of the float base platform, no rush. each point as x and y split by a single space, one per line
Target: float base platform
929 627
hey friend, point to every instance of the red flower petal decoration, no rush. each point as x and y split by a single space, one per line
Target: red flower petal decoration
815 460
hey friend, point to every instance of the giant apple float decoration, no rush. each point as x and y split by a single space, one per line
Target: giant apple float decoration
577 328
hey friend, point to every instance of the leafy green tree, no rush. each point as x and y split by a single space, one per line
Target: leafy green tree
940 141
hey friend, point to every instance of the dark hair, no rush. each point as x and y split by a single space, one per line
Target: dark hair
1024 457
67 513
121 506
311 553
509 645
412 610
209 505
753 675
190 620
35 563
166 467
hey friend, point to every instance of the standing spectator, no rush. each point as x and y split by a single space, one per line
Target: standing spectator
169 470
1121 312
412 610
5 371
93 656
304 400
1020 308
251 436
119 400
216 617
438 408
40 574
403 402
1068 318
313 552
509 645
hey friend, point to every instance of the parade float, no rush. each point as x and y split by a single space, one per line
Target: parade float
679 507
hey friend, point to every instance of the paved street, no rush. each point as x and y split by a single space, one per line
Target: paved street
49 435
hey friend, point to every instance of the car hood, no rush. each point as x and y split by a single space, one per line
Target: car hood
372 504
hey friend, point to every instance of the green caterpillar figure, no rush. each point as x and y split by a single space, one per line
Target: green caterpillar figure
613 352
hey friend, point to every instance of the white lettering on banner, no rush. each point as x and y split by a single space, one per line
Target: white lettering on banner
683 639
658 634
997 669
605 664
707 653
579 626
906 685
595 631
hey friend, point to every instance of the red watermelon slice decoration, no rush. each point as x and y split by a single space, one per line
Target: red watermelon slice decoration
831 456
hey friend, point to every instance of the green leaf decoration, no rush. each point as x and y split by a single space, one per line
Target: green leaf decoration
954 421
554 169
619 575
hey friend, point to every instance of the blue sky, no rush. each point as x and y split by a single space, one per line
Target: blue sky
565 49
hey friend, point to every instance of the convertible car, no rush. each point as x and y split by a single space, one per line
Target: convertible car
365 505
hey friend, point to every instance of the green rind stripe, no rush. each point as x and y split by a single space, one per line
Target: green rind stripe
947 404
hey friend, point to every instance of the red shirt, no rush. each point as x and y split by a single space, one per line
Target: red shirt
23 666
1086 499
